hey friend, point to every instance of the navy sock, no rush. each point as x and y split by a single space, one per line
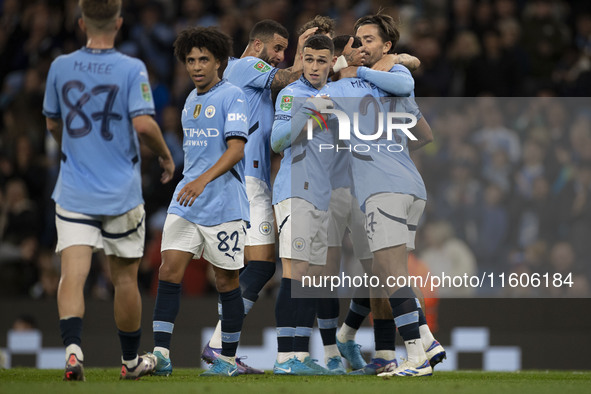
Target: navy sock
71 330
285 317
253 279
422 318
305 316
167 306
358 311
328 319
232 318
404 310
130 343
384 334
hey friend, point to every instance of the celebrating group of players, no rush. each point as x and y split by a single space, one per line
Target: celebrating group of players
222 209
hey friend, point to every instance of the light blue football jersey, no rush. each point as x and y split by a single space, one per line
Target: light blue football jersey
254 77
96 93
208 120
375 171
305 169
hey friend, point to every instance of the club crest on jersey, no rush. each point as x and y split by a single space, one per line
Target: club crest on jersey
209 111
146 93
286 103
265 228
262 66
299 244
197 111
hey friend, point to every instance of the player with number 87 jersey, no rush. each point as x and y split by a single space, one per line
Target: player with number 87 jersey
97 92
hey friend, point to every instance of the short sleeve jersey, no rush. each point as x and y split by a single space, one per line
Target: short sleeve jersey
96 93
209 120
254 77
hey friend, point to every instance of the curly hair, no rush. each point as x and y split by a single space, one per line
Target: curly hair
210 38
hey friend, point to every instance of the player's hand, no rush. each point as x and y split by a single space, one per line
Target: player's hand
353 56
349 72
168 167
190 192
304 36
386 62
320 102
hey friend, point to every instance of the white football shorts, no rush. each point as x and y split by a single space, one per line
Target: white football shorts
262 222
391 219
303 231
221 245
343 212
121 235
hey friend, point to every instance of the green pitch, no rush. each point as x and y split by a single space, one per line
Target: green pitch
103 381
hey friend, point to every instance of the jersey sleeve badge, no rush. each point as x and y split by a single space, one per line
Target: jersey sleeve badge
286 103
146 93
262 66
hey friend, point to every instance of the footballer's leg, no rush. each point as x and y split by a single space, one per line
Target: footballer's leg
404 309
166 308
259 254
230 295
328 316
388 235
128 313
75 266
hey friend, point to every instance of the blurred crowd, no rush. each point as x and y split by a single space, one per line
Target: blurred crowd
509 180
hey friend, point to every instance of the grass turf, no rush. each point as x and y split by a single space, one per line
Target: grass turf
103 381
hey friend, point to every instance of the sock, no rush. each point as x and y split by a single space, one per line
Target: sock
130 342
130 364
328 319
406 318
285 320
71 330
252 280
73 348
164 351
385 354
302 355
359 308
232 318
166 309
426 336
305 316
331 351
284 356
231 360
385 337
216 339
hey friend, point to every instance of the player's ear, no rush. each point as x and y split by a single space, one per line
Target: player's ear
118 23
258 45
334 60
387 46
82 25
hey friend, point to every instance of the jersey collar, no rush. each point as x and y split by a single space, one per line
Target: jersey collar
306 82
98 51
214 87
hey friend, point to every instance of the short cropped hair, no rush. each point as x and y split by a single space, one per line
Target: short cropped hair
340 42
210 38
386 27
100 13
319 42
324 24
265 29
